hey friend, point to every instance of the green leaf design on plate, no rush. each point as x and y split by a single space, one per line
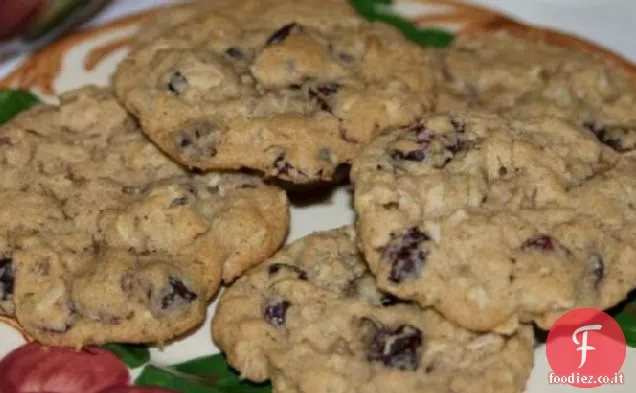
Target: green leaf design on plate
13 102
626 318
133 355
427 37
210 374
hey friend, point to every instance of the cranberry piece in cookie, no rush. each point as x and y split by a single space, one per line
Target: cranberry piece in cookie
276 268
620 138
396 347
407 254
177 292
276 313
545 244
281 34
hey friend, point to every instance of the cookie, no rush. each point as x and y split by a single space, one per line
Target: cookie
507 73
282 87
311 320
105 239
495 221
171 16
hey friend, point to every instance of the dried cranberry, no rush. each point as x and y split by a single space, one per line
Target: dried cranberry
177 290
321 93
423 136
388 300
406 253
199 138
183 141
7 279
389 205
276 313
283 168
324 105
458 146
345 58
181 201
328 88
235 53
593 127
275 268
418 155
541 242
280 35
615 137
395 347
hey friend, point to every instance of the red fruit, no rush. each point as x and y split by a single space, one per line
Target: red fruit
35 369
131 389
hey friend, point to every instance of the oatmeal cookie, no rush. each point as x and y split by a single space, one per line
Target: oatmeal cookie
312 320
495 221
105 239
290 88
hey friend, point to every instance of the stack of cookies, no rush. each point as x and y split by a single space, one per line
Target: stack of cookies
494 185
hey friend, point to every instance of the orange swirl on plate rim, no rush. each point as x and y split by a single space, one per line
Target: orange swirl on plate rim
42 68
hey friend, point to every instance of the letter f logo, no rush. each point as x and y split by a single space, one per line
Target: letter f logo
583 344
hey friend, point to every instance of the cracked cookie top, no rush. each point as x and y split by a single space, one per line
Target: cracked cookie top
105 239
495 221
312 320
292 89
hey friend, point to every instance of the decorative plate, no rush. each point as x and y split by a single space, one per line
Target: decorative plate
193 363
